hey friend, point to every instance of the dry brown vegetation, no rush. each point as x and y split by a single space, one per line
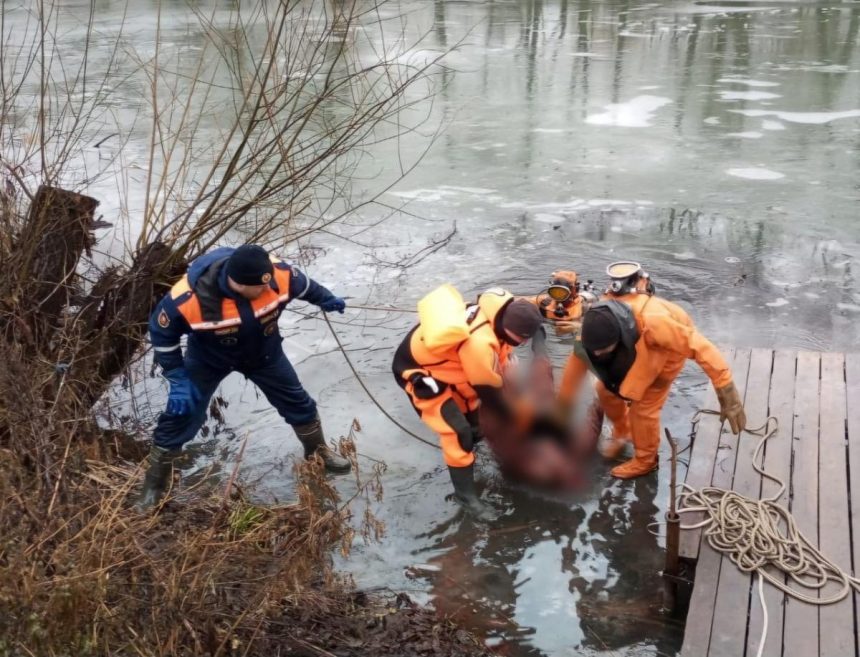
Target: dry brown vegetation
82 574
212 573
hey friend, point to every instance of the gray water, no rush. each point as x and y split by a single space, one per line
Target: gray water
716 143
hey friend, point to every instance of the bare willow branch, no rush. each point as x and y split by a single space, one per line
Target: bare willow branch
118 162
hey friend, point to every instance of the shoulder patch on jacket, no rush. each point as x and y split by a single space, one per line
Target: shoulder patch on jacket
163 319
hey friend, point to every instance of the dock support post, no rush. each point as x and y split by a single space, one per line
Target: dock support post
673 533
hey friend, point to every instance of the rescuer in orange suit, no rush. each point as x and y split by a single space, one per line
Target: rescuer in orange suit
447 382
636 344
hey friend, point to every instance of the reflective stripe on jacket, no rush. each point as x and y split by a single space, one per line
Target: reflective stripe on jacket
226 330
205 308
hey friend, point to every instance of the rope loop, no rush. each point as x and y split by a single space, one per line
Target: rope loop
762 537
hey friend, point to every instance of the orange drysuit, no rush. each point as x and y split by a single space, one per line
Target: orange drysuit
457 371
666 339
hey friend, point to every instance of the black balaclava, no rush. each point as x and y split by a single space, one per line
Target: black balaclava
601 329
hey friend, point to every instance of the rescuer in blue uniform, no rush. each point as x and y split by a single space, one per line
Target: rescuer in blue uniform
229 303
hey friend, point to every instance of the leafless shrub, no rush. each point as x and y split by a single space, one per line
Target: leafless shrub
258 131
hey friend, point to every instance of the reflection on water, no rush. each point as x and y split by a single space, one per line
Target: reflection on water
558 576
586 129
715 142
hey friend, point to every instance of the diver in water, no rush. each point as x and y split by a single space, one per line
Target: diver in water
564 301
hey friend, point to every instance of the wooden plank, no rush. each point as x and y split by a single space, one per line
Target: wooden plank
697 634
728 636
836 620
852 384
697 630
800 638
777 461
701 470
724 467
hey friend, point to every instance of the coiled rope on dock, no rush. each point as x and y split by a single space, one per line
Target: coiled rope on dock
761 536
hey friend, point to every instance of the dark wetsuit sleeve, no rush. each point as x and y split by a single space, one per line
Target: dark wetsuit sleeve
493 400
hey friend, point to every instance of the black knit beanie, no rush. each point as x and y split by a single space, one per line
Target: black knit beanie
250 265
600 329
521 317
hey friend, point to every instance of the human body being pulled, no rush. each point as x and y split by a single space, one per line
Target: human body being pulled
541 448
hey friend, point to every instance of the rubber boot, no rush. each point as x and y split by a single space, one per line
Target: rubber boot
645 424
313 440
156 481
638 466
463 480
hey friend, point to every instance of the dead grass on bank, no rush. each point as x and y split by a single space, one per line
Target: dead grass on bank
80 573
211 574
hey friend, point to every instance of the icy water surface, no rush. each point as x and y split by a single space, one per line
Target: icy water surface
717 143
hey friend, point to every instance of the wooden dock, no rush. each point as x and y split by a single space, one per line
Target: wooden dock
816 400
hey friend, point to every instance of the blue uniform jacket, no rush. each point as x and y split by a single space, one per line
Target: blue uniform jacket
252 345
